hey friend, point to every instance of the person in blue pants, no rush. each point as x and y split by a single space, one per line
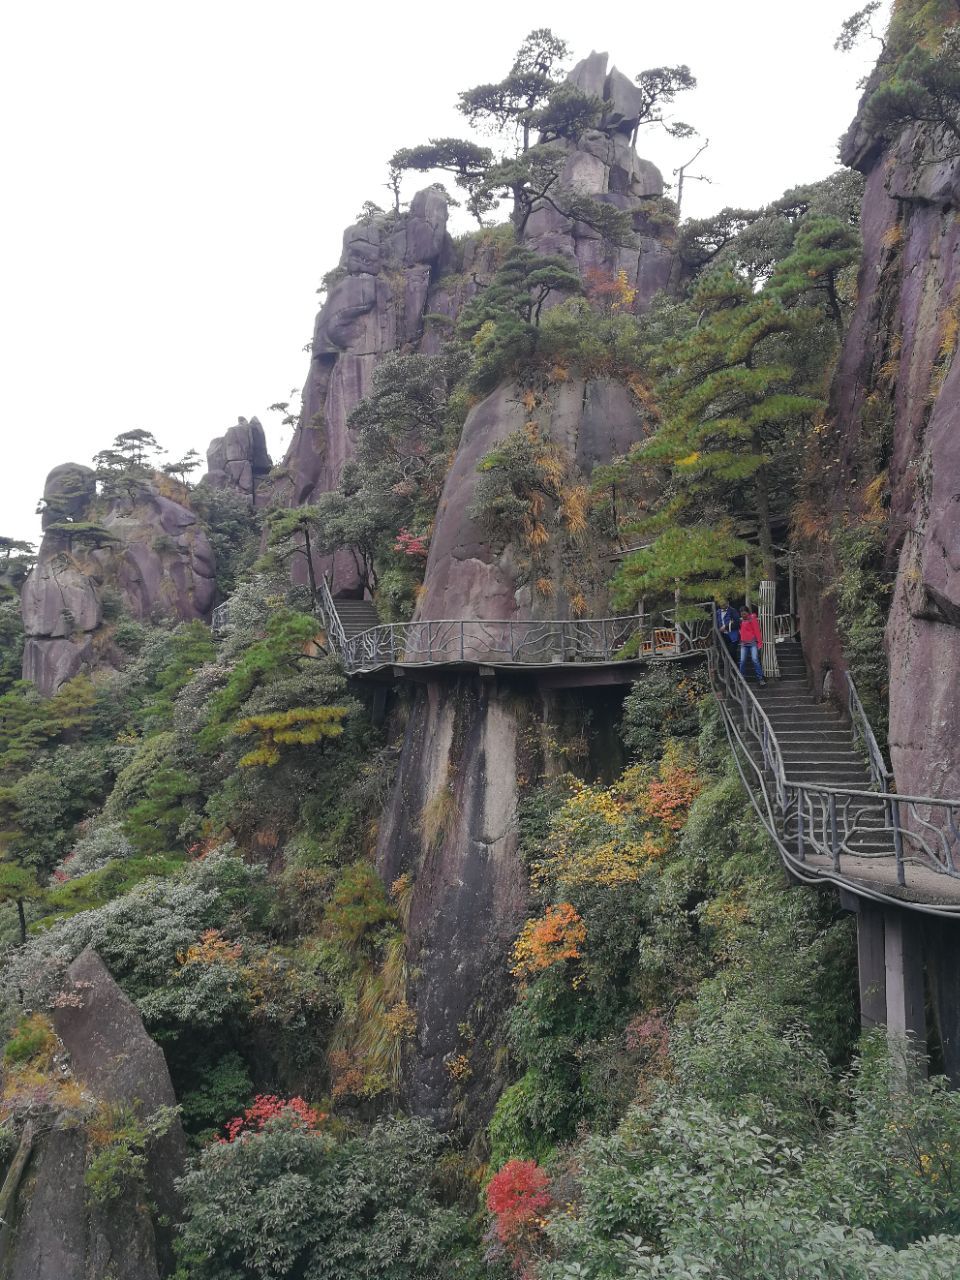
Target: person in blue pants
751 641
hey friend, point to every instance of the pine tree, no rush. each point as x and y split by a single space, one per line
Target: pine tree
730 403
297 727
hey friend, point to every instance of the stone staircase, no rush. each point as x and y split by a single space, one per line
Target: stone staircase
356 616
817 748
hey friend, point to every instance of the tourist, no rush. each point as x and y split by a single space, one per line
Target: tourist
728 623
751 641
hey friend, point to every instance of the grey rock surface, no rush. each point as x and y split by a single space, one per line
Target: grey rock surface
61 1231
114 1057
67 492
238 459
594 420
160 562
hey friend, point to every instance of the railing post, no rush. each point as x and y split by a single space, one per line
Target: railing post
513 650
834 842
461 640
604 643
800 851
393 642
898 841
430 641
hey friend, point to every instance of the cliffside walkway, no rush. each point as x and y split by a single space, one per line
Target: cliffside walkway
823 791
617 644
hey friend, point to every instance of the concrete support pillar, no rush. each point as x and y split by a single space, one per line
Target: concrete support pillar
871 966
903 952
942 947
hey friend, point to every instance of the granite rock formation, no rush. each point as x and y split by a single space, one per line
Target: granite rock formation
604 164
905 324
155 558
594 421
395 270
60 1232
239 459
375 306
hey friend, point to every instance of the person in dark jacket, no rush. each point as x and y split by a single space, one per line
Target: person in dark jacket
751 641
728 623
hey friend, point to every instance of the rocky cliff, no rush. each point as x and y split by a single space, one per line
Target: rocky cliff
451 822
145 552
894 439
238 460
59 1227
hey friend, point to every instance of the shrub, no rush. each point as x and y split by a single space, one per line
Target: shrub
291 1200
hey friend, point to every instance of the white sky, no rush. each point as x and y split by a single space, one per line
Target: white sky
178 176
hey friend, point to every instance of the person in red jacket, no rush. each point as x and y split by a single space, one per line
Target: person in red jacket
751 641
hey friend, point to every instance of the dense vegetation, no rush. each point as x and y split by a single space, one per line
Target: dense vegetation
688 1094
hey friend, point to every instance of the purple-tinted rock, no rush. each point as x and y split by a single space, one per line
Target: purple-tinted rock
908 285
238 459
159 561
594 421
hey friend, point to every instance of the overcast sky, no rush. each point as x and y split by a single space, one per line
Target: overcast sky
178 176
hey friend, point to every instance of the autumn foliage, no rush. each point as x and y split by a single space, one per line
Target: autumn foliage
517 1197
410 544
557 936
266 1107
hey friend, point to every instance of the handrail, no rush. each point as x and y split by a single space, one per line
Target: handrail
838 822
327 609
754 716
519 641
863 733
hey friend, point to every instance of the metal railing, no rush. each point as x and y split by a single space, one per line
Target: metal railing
812 821
864 738
521 642
327 610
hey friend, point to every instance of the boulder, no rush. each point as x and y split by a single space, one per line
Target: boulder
114 1058
237 459
61 1232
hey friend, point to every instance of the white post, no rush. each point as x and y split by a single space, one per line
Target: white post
768 627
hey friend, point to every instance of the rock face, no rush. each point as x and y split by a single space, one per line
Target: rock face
375 307
157 559
905 325
238 459
603 164
451 826
61 1232
594 421
451 823
392 276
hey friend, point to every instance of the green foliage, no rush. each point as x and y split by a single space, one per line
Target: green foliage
685 1187
156 823
31 1037
288 1201
99 887
297 727
189 646
121 1141
502 321
232 526
664 704
223 1089
280 651
861 591
359 909
920 82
